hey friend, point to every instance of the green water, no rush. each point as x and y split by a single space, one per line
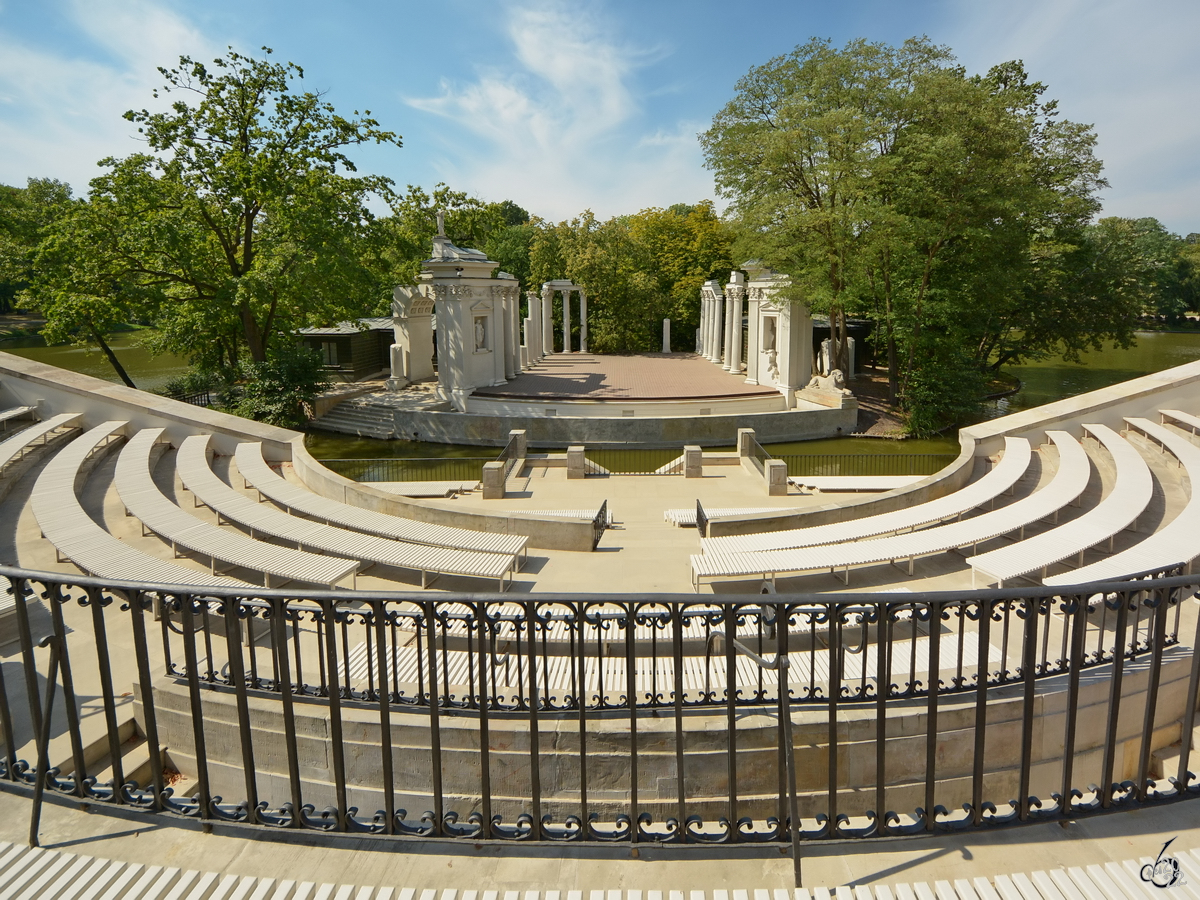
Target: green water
148 372
1053 379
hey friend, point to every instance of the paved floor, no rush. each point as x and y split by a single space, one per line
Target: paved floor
646 376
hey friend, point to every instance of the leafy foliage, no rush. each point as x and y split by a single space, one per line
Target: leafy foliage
280 390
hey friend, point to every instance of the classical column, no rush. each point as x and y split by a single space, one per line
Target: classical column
718 329
735 291
513 300
583 321
566 295
547 320
533 328
507 322
707 312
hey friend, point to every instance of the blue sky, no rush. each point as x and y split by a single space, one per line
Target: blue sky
563 106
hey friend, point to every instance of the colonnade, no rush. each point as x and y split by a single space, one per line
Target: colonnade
721 313
539 324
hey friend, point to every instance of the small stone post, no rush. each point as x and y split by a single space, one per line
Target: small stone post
666 336
493 480
777 483
693 462
576 464
522 442
743 441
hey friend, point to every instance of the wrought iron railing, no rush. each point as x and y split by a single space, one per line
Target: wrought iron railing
307 709
843 464
195 398
599 524
410 468
509 456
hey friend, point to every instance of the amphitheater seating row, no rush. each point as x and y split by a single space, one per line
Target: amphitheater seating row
143 499
1001 478
16 412
1119 510
25 441
40 874
686 518
80 539
854 482
1175 544
258 474
208 489
1069 482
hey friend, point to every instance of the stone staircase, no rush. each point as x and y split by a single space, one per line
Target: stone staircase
359 416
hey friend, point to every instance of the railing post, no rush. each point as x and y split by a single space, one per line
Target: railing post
693 462
576 462
494 480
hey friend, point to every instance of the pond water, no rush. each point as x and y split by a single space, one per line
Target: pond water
1043 382
148 372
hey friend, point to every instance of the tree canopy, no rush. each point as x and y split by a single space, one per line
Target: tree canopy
952 209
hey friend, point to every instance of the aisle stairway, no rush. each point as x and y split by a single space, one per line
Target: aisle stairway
359 416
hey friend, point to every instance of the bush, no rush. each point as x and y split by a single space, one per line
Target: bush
281 390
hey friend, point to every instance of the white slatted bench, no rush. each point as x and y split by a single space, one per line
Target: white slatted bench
1119 510
585 514
268 483
686 518
15 412
1068 483
42 874
425 488
143 499
855 482
1182 419
80 539
1000 478
191 463
1175 544
23 442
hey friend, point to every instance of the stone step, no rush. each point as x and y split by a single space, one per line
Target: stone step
1164 763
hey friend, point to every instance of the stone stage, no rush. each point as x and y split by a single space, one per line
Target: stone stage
661 385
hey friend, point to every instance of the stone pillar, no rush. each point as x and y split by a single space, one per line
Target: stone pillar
718 330
693 462
508 332
731 328
744 435
666 336
566 295
514 318
547 320
576 464
493 480
527 359
776 474
753 354
735 291
583 321
699 345
522 442
533 327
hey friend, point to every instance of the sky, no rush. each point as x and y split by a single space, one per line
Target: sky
566 106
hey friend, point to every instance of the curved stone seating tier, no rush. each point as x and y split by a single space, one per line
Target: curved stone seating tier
1175 544
257 474
143 499
15 412
38 874
1002 476
192 465
1182 419
20 444
1068 483
1119 510
76 535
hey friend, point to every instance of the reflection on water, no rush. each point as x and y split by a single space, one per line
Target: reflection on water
1045 382
148 372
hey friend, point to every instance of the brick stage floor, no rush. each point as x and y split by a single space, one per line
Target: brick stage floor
646 376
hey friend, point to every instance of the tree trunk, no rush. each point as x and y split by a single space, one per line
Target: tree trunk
112 357
255 339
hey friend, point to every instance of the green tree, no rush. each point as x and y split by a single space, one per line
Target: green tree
240 224
25 215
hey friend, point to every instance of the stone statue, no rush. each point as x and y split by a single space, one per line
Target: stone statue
441 220
834 382
773 365
480 334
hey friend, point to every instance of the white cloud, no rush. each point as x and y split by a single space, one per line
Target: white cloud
559 129
1126 67
60 112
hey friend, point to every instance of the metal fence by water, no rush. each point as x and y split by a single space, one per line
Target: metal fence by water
411 468
843 464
